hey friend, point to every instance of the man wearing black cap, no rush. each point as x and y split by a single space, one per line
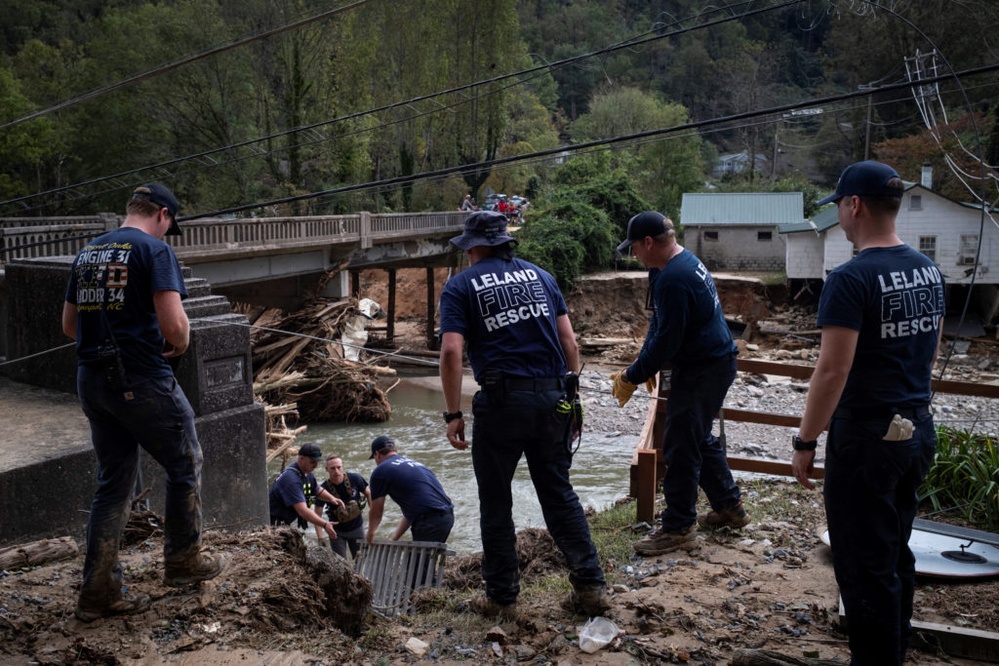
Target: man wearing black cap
881 315
123 308
688 334
295 490
515 323
424 504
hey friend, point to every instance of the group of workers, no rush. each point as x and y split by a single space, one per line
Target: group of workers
296 496
881 318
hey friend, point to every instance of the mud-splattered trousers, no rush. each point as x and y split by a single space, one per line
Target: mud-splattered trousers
159 418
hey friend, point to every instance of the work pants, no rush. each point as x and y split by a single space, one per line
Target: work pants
693 456
525 423
158 418
870 495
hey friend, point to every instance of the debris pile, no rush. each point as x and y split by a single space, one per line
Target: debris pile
300 370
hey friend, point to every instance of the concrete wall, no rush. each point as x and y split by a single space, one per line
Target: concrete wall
803 255
738 248
46 490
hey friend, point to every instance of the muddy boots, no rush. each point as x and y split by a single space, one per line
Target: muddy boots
198 568
661 541
733 517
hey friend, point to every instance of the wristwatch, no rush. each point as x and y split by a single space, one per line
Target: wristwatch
801 445
451 416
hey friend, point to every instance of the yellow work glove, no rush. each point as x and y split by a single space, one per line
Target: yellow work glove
622 388
650 384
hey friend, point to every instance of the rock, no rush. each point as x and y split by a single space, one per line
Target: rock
416 647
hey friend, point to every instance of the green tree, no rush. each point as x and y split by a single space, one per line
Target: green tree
661 170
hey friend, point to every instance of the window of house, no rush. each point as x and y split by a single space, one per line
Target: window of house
915 202
764 236
928 246
969 248
711 235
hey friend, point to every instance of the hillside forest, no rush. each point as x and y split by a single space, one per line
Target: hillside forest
589 108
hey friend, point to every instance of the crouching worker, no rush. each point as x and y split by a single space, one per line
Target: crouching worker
294 492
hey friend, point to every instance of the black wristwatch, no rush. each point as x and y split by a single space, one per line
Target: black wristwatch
801 445
451 416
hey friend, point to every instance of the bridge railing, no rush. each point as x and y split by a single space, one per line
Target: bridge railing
30 237
215 232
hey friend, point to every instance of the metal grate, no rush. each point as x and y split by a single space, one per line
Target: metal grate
396 568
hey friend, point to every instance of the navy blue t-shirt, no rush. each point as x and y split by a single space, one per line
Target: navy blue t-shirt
290 488
894 297
687 324
506 311
357 485
112 284
410 484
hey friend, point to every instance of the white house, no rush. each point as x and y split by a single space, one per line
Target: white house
738 162
739 231
945 230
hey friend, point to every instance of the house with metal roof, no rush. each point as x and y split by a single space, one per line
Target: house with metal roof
739 231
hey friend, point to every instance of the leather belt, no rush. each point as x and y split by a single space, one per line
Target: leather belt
533 383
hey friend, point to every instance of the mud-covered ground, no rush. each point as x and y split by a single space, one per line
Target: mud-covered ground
769 586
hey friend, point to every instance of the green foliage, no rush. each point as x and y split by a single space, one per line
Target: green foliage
964 477
567 238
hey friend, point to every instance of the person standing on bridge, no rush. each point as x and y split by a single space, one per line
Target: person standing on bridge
123 308
520 343
881 316
687 334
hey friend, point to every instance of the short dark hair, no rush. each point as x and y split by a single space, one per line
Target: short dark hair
885 204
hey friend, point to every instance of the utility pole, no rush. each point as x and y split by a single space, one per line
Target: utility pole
867 127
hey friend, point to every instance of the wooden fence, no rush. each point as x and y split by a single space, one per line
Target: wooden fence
648 468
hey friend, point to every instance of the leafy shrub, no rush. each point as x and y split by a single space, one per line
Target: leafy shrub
567 239
964 477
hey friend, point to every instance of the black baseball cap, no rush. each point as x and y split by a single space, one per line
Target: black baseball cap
310 450
864 179
647 223
381 443
163 197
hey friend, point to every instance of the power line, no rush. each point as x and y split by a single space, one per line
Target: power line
696 125
162 69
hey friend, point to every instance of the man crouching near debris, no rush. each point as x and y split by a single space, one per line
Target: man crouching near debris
520 345
881 318
123 308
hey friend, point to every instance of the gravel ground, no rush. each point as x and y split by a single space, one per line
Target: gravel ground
771 394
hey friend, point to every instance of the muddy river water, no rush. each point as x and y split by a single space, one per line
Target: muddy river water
600 470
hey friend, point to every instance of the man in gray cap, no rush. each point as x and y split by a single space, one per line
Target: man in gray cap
688 334
515 323
123 308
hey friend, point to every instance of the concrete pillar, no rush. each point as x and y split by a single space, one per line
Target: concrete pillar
215 373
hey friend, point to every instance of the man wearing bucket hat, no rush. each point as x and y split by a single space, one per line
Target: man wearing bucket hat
688 334
123 308
881 317
515 323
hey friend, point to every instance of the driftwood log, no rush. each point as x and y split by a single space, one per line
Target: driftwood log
38 552
348 595
771 658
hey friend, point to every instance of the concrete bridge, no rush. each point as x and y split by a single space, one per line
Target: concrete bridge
267 261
